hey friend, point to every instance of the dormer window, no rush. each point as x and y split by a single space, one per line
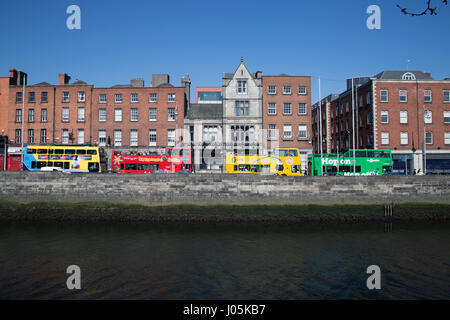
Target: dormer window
408 76
242 86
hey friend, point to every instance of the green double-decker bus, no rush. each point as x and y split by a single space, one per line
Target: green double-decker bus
368 162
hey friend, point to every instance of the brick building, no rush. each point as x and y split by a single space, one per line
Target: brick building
396 110
77 113
287 113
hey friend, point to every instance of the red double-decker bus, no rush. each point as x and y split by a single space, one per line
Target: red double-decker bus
175 160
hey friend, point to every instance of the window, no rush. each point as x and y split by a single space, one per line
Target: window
369 97
30 136
242 86
171 97
80 136
102 138
18 136
446 116
384 96
385 138
31 115
44 97
170 137
118 98
81 96
152 137
384 117
403 94
65 114
347 107
446 137
403 117
81 113
302 131
408 76
210 134
18 97
272 133
302 108
403 138
242 108
117 115
134 98
301 90
152 114
429 137
153 97
446 95
287 108
427 96
272 108
43 135
31 97
287 131
287 90
65 136
361 101
102 98
171 114
65 97
134 114
117 138
133 138
272 90
102 115
44 115
428 116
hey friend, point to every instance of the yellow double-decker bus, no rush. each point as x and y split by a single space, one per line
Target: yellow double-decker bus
69 158
281 161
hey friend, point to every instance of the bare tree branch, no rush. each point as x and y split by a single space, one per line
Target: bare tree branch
429 9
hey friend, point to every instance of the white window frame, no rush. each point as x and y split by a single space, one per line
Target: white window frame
287 90
81 114
101 136
101 96
427 93
287 134
153 97
272 132
150 134
385 138
171 97
134 114
426 137
118 115
66 96
302 90
271 108
300 130
272 92
102 115
446 114
427 120
306 109
65 114
387 95
404 138
81 96
241 86
403 117
118 98
284 108
384 112
171 114
447 138
446 96
170 137
134 138
150 114
65 136
403 93
118 138
80 134
44 115
134 98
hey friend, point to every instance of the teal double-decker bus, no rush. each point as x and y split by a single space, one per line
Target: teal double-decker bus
368 162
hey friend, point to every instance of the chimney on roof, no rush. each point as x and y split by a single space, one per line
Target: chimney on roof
63 78
186 83
137 83
258 74
159 79
17 77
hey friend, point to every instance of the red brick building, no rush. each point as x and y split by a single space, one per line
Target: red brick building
287 113
396 110
77 113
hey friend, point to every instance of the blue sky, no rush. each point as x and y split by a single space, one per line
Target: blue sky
120 40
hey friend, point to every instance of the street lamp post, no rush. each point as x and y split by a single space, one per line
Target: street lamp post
23 115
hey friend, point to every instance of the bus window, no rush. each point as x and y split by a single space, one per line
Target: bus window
358 168
92 152
256 168
387 169
331 170
345 168
31 151
81 151
384 154
244 167
121 166
154 167
293 153
282 153
41 151
348 154
70 151
93 167
58 164
50 151
41 164
295 168
59 151
235 168
143 166
360 154
33 164
128 166
66 165
372 154
280 167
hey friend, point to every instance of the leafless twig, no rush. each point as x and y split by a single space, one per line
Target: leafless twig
429 9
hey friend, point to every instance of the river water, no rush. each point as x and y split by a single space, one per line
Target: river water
231 261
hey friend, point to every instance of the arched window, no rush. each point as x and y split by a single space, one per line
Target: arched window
408 76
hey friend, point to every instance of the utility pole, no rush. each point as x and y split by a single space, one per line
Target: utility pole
320 133
425 113
353 127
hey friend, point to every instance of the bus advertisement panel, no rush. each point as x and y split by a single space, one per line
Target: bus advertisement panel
368 162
